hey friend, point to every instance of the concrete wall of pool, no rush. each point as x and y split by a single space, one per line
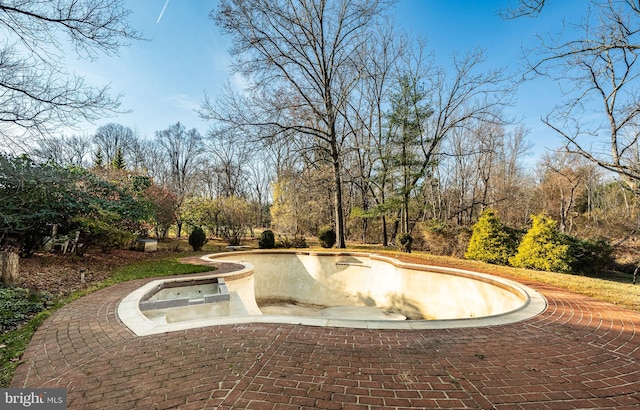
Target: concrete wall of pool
343 289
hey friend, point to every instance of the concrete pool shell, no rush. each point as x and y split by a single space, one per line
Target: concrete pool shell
358 290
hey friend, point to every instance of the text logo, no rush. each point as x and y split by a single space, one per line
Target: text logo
41 399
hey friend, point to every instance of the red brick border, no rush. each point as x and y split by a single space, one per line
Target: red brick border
579 353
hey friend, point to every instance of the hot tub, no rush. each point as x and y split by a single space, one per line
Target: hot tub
346 289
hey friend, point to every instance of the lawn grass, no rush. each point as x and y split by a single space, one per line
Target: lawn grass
617 289
13 343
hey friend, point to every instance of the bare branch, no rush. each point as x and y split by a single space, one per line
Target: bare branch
523 8
601 65
37 94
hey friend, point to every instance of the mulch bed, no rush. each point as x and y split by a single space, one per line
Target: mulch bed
61 275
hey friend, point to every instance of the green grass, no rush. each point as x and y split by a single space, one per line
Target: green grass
618 290
13 343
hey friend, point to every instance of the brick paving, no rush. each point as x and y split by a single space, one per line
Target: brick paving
579 354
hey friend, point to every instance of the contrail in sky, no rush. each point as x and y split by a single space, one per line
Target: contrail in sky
166 3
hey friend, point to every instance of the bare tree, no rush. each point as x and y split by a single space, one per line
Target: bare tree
37 93
369 170
564 177
513 184
459 101
74 150
599 69
111 138
182 149
521 8
227 162
302 57
259 176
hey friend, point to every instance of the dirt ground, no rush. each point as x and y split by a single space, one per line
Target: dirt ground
62 274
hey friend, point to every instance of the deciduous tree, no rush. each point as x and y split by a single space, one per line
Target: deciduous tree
598 60
182 149
38 93
111 138
303 58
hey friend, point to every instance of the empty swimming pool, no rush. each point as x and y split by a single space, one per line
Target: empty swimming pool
341 289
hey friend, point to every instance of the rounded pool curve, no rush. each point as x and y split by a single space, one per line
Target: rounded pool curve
340 289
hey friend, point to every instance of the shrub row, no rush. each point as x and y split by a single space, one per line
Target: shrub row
542 247
268 241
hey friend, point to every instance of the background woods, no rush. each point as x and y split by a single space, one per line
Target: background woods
343 121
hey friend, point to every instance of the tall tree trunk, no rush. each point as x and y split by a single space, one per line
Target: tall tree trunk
339 216
385 235
396 226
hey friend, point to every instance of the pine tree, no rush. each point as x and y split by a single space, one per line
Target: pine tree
98 159
406 120
118 161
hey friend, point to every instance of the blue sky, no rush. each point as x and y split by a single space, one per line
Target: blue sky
163 80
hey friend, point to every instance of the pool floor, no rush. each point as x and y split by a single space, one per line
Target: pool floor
330 312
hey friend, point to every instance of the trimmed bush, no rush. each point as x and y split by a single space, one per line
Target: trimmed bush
542 248
404 242
592 257
327 237
267 240
491 241
197 238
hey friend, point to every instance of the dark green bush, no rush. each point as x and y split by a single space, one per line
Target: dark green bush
267 240
197 238
18 305
404 242
327 237
592 257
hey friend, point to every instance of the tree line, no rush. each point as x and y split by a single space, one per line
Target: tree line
348 121
183 178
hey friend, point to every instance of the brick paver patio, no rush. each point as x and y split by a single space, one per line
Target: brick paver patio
579 354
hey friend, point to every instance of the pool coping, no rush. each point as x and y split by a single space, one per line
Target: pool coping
132 317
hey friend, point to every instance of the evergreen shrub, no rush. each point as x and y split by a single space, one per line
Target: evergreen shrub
267 240
327 237
491 241
197 238
404 242
543 248
592 257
